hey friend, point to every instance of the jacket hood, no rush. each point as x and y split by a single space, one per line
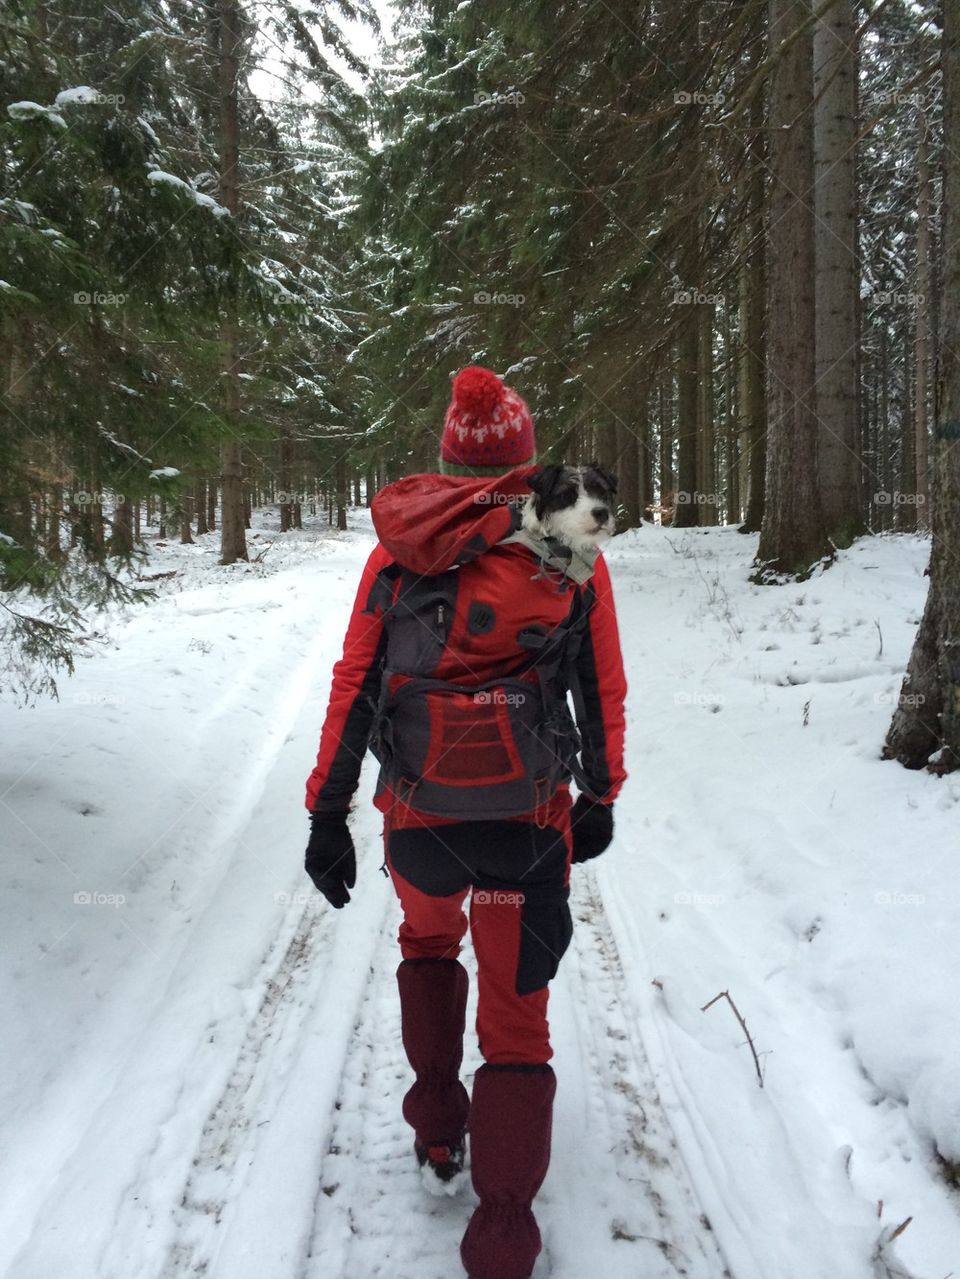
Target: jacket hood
430 523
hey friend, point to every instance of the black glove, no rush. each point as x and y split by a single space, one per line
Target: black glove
330 861
592 825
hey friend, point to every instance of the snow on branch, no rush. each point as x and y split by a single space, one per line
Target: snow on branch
204 201
34 111
120 444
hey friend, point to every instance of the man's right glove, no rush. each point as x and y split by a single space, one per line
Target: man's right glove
330 859
592 825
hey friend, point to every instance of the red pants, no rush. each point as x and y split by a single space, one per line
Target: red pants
517 875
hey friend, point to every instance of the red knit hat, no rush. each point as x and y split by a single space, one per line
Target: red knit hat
488 428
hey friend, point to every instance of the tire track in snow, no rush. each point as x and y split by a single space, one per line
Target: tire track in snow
617 1200
130 1196
373 1217
614 1150
227 1140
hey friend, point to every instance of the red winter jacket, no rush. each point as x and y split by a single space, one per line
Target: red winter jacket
428 524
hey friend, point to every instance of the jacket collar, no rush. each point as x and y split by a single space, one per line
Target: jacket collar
576 566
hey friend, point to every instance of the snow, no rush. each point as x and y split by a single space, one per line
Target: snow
34 111
82 94
204 201
164 472
148 129
207 1071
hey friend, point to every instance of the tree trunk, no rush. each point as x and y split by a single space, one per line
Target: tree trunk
54 516
233 542
927 719
342 493
685 515
638 463
200 501
285 497
906 511
665 478
837 275
121 533
752 353
707 498
731 435
885 492
627 468
186 516
921 308
91 526
793 537
645 458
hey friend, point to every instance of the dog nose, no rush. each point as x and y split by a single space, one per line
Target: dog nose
600 514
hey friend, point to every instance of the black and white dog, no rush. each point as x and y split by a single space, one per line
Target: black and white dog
573 504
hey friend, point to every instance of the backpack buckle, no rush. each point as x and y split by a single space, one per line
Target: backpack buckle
406 787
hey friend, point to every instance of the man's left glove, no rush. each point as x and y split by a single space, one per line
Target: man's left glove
330 860
592 825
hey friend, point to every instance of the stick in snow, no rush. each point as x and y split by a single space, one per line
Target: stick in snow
725 994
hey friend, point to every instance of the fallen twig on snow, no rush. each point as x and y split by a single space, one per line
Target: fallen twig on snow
725 994
885 1265
258 558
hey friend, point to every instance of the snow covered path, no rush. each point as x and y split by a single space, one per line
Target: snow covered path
208 1074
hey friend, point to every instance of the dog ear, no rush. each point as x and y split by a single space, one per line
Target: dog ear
606 477
545 481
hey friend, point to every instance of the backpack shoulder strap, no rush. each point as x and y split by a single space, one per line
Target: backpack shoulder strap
553 651
382 591
418 618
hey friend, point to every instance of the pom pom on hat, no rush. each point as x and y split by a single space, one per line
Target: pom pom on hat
477 390
487 428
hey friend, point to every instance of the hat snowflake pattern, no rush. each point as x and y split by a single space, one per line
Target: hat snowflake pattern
487 426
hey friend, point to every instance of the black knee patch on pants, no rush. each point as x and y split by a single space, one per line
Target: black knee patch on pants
546 927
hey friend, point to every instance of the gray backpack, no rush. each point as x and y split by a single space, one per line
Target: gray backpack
478 751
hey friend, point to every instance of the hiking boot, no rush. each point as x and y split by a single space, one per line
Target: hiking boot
441 1167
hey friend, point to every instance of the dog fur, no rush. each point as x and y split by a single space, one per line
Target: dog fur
574 504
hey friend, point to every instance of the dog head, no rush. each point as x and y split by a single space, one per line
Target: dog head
572 503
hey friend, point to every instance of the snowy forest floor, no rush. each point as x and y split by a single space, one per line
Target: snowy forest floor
206 1071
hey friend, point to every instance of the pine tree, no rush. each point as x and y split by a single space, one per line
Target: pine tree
926 725
94 230
120 266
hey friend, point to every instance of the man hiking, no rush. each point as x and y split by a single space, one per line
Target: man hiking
483 604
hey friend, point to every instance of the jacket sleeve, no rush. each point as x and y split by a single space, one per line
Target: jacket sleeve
600 689
353 696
